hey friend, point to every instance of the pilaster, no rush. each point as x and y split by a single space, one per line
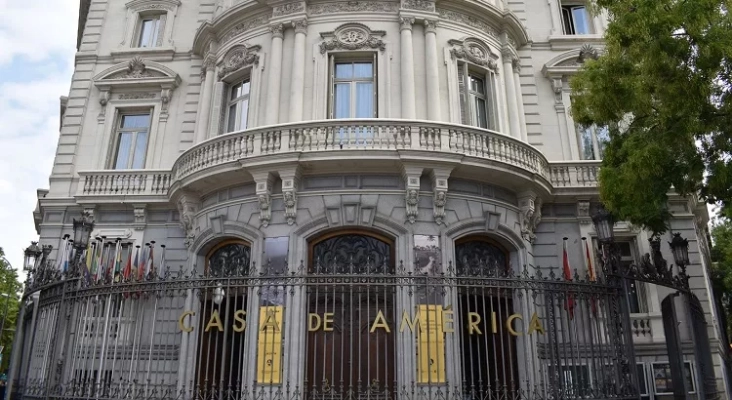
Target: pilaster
511 101
433 76
407 69
275 75
297 83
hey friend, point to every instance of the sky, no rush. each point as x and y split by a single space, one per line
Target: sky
37 46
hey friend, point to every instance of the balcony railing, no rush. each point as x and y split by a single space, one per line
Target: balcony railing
362 135
124 183
574 174
349 138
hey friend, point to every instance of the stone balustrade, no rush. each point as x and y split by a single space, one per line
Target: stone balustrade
574 174
335 136
350 138
140 183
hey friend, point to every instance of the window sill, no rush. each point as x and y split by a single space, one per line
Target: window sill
568 42
148 53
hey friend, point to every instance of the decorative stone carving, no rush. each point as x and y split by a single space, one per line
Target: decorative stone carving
147 5
136 69
301 26
466 19
353 6
290 199
187 209
406 23
239 57
104 96
475 51
583 212
412 201
165 99
516 63
557 87
420 5
277 30
287 9
430 26
439 202
209 65
587 52
352 36
529 215
246 25
265 209
140 218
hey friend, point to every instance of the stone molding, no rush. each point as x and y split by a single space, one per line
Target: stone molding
237 58
288 9
475 51
352 36
353 7
419 5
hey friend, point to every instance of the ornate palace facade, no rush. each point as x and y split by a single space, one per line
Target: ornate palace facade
357 199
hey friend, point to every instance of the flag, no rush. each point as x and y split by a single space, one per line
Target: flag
117 262
127 272
593 277
162 259
567 276
62 253
150 272
136 264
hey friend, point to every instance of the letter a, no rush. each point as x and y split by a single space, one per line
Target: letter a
215 321
535 325
380 322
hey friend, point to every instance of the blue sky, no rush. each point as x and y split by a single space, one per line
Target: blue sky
37 46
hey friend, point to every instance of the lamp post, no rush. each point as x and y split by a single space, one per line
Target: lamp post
83 228
604 223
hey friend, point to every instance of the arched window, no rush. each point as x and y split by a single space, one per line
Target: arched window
488 350
349 353
220 326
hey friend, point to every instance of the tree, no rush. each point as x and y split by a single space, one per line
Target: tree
662 86
10 285
721 274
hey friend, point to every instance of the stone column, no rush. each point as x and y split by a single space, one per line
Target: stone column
204 117
407 71
513 117
297 83
520 98
275 75
433 76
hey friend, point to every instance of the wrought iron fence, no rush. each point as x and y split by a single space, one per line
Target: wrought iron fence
328 330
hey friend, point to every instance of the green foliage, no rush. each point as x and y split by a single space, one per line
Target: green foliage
722 270
9 284
662 86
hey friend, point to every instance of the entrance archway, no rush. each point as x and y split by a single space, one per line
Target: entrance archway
348 292
489 363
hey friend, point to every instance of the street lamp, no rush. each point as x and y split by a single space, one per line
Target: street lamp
604 223
82 233
32 256
680 248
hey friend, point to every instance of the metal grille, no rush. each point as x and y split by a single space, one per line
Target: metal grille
350 325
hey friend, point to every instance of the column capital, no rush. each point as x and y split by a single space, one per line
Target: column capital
516 62
209 65
277 30
300 25
406 23
508 54
430 25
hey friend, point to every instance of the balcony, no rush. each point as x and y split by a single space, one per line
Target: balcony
148 186
364 143
348 146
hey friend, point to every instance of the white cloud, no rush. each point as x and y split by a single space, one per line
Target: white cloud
38 39
37 29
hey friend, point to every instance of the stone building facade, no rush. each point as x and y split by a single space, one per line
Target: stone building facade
297 136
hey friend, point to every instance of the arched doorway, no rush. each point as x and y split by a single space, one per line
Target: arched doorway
488 351
220 327
350 298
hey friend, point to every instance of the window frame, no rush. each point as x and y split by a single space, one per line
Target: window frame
468 106
230 87
119 130
352 58
158 33
567 9
597 146
641 295
692 375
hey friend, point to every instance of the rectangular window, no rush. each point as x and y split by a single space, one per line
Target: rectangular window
575 19
238 107
629 255
353 91
593 140
150 31
642 380
477 91
663 382
132 137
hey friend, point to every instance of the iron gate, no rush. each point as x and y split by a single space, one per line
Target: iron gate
343 329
